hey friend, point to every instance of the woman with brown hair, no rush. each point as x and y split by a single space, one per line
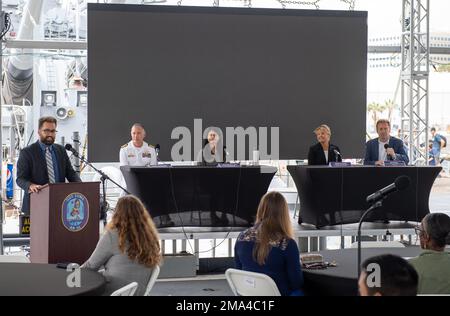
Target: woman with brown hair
129 249
269 247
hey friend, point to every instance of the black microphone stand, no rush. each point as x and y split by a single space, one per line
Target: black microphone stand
104 177
374 206
337 154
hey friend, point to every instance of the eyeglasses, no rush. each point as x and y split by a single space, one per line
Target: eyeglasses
418 230
49 131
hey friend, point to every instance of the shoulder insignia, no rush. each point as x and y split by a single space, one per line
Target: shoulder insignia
151 146
124 146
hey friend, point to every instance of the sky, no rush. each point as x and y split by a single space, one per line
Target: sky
384 15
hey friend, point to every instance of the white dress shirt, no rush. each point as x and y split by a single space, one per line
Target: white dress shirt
382 154
131 155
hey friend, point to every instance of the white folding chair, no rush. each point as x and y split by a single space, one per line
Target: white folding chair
152 280
127 290
14 259
246 283
378 244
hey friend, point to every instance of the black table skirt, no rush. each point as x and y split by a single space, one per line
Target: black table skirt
196 195
337 195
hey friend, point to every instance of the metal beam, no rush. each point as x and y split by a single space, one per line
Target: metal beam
32 44
398 49
69 45
72 45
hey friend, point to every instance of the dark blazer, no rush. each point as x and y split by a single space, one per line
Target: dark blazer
395 143
32 168
316 156
201 157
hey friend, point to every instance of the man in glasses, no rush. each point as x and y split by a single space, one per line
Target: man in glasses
43 162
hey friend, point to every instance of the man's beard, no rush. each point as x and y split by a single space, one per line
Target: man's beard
48 140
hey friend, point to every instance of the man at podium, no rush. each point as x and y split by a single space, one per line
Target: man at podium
43 162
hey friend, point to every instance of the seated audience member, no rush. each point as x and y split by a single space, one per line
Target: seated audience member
433 265
268 246
323 152
387 275
129 249
385 147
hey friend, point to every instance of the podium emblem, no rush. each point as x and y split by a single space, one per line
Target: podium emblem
75 212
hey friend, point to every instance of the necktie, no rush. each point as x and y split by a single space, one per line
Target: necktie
51 172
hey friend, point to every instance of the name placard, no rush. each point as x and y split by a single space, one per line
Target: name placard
228 165
393 163
340 164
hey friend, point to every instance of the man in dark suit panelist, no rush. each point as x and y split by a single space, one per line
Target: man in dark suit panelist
43 162
385 147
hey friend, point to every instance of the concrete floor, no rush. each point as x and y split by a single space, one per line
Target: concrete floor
440 195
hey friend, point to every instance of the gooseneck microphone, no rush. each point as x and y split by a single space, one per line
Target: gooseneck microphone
401 183
157 149
386 146
69 147
103 203
338 154
376 200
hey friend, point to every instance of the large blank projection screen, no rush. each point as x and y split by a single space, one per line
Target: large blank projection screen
165 66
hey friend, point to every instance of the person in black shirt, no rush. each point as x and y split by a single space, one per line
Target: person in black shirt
323 152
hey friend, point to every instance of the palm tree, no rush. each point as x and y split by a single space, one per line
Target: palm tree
374 108
390 105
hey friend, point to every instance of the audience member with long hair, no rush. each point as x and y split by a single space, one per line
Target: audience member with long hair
129 249
268 247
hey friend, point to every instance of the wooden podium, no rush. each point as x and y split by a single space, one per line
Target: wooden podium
64 222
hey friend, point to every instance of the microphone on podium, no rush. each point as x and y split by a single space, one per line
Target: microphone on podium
69 147
386 146
337 153
157 149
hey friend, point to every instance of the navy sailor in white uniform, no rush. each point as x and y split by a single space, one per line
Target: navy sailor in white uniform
138 153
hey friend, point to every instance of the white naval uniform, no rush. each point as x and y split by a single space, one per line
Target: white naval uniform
137 156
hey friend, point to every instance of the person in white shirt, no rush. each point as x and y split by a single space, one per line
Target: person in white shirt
138 153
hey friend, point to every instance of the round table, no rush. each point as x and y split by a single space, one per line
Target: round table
30 279
342 280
